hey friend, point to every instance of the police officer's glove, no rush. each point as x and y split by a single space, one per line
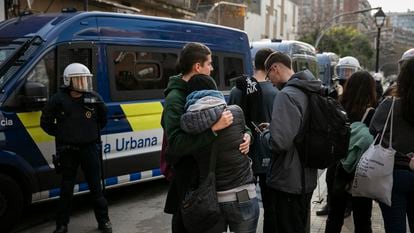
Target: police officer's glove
57 164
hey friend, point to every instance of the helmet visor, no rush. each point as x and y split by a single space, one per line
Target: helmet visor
82 83
344 72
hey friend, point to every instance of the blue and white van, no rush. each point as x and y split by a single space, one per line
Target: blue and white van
327 62
131 58
303 55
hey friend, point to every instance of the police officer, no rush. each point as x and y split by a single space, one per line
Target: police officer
75 115
343 70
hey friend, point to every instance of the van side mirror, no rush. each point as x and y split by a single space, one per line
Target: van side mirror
35 95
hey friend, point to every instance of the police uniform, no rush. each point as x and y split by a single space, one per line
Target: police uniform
76 125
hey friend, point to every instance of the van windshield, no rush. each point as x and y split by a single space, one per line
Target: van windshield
5 53
14 52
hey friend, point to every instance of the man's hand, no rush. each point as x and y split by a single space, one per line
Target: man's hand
244 147
225 120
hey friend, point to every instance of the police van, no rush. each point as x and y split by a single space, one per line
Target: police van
131 58
327 62
303 55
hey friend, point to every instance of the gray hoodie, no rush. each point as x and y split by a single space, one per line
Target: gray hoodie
285 173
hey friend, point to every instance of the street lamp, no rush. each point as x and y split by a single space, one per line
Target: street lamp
217 4
379 22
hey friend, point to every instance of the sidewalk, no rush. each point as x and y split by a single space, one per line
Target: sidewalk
318 222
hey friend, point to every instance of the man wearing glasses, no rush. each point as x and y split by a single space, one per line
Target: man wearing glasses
291 185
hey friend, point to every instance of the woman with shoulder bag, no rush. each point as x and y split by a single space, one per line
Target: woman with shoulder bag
402 201
358 100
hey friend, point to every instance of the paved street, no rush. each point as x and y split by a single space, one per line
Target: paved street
138 209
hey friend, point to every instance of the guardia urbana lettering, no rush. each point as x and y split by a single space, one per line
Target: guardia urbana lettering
123 144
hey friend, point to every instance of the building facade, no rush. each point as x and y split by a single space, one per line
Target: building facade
397 36
317 15
274 19
182 9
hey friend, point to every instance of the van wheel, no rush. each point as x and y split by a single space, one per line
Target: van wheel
11 202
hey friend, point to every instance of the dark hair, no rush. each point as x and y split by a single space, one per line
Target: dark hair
405 87
359 94
191 54
260 58
201 82
278 57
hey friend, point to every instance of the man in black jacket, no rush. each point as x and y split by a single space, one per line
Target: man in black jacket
75 116
255 96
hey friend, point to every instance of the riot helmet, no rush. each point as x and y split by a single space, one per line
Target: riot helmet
346 67
406 55
77 77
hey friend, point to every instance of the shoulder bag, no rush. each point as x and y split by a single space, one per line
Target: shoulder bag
374 172
200 209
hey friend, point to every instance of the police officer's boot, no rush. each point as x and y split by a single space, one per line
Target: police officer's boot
105 227
61 229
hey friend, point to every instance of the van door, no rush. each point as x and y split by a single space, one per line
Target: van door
24 136
137 78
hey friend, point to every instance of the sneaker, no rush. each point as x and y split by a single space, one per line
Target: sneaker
323 211
105 227
61 229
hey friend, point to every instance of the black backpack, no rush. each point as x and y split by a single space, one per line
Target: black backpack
324 139
251 103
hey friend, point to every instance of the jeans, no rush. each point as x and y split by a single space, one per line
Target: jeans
239 217
402 203
88 158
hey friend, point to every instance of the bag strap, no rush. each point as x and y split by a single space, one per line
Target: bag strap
389 116
213 158
366 113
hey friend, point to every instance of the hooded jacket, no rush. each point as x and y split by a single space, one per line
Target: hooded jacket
203 109
181 145
232 168
359 142
288 117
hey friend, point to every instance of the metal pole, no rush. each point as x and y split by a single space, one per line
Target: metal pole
378 44
327 25
85 5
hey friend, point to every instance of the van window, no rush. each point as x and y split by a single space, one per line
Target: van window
45 73
79 53
140 73
215 74
137 70
233 67
299 64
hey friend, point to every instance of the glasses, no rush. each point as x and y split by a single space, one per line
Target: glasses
268 72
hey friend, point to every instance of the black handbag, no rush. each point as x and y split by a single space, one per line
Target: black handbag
200 209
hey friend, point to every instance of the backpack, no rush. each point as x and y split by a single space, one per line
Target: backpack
324 139
251 103
165 167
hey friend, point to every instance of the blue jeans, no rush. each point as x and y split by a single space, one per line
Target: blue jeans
239 217
402 203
